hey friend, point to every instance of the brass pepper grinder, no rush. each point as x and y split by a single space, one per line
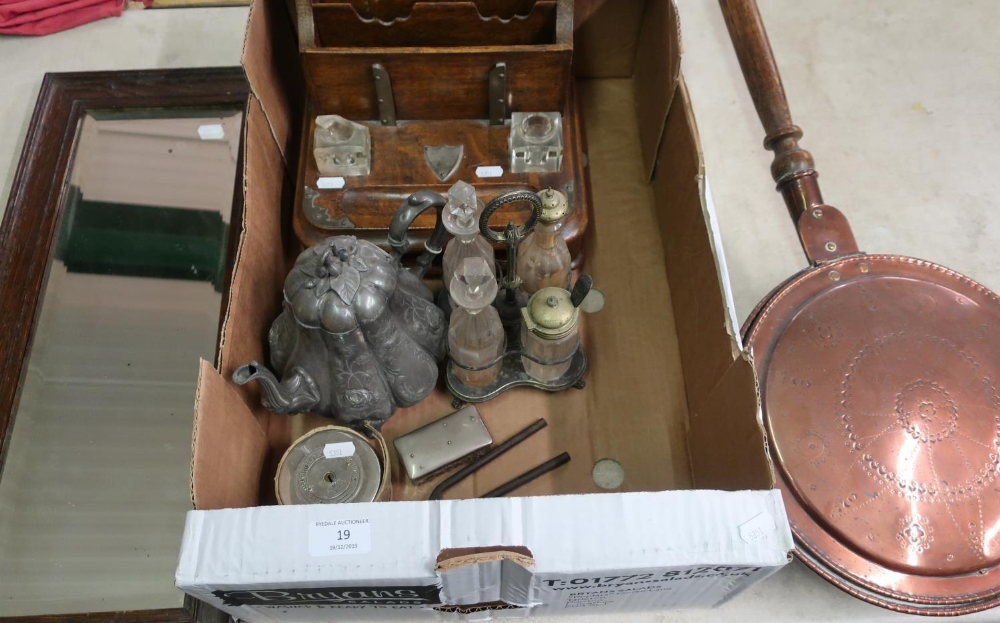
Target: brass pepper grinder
550 333
543 259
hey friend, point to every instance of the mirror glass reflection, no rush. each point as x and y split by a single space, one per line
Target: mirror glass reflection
94 488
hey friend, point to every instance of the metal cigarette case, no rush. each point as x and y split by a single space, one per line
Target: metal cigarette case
433 447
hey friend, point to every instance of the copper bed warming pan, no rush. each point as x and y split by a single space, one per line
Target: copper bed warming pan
878 377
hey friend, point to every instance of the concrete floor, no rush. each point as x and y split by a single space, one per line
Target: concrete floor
898 104
897 101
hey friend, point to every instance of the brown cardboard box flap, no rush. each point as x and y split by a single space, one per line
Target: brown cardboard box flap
273 71
605 38
257 277
261 263
726 450
227 443
655 79
696 280
635 398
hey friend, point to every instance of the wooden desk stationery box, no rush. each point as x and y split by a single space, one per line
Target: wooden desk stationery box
442 74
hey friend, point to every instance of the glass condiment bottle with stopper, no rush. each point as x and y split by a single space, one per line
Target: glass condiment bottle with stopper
551 329
475 333
461 219
543 259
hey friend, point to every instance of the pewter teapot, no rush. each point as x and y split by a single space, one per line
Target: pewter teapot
359 334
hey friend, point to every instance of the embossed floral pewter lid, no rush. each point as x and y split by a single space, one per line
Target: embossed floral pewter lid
321 290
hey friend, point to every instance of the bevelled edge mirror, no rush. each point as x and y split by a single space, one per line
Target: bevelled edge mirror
122 237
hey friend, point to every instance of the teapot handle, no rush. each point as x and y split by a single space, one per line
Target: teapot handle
415 205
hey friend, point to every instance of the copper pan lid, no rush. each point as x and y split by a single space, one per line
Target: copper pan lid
878 386
878 379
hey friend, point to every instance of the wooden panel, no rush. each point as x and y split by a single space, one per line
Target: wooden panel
388 10
436 83
437 24
366 204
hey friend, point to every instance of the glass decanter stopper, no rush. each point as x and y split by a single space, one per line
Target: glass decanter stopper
550 332
475 333
543 258
461 219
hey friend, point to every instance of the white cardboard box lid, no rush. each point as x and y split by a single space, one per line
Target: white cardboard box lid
274 545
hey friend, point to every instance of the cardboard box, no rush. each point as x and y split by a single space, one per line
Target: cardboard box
669 396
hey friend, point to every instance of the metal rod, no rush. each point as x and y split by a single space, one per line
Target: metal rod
479 463
528 476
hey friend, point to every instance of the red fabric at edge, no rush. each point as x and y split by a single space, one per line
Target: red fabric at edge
42 17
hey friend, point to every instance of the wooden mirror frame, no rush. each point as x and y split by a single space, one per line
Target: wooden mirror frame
31 224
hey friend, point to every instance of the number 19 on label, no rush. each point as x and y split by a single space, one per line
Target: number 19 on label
339 537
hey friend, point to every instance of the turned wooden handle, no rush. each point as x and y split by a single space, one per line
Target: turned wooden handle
746 29
823 230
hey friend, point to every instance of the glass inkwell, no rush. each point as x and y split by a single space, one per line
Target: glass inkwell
541 334
536 142
342 147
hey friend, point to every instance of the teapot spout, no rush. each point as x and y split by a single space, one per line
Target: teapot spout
296 393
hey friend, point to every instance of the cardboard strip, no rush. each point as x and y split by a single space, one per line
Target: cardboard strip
657 70
606 37
455 558
259 271
694 274
273 71
228 446
725 449
384 493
